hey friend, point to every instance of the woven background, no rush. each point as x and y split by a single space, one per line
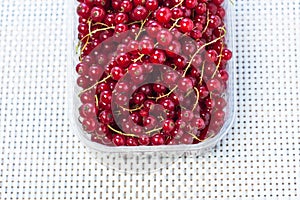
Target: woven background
41 158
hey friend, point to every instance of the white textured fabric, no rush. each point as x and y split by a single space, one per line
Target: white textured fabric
41 158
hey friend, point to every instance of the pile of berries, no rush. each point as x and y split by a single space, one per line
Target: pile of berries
152 72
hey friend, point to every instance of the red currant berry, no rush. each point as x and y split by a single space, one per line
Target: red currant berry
186 25
117 73
83 10
185 84
126 6
168 125
227 54
217 2
213 85
95 72
177 13
151 5
106 96
123 60
106 117
191 3
158 56
144 140
97 14
214 21
157 139
164 37
132 142
121 18
210 103
163 15
200 9
89 125
211 56
119 140
139 13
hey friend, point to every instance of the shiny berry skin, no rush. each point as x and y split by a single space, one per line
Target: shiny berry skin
117 73
121 18
198 123
123 60
164 37
83 82
97 14
168 125
211 56
119 140
109 19
144 140
82 69
185 84
224 75
132 142
88 110
101 3
106 117
95 72
191 3
176 13
210 103
139 13
89 125
151 5
200 8
157 139
105 96
214 21
163 15
227 54
126 6
168 104
213 85
217 2
146 46
158 56
186 25
83 10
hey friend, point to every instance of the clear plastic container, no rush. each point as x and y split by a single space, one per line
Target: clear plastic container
156 156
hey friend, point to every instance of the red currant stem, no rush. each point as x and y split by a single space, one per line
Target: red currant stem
202 73
175 23
142 26
219 62
166 95
198 96
179 4
198 50
97 30
89 88
195 137
135 22
153 130
120 132
97 100
132 110
207 22
189 92
232 2
102 24
139 58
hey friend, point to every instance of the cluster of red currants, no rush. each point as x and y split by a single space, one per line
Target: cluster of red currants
166 52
